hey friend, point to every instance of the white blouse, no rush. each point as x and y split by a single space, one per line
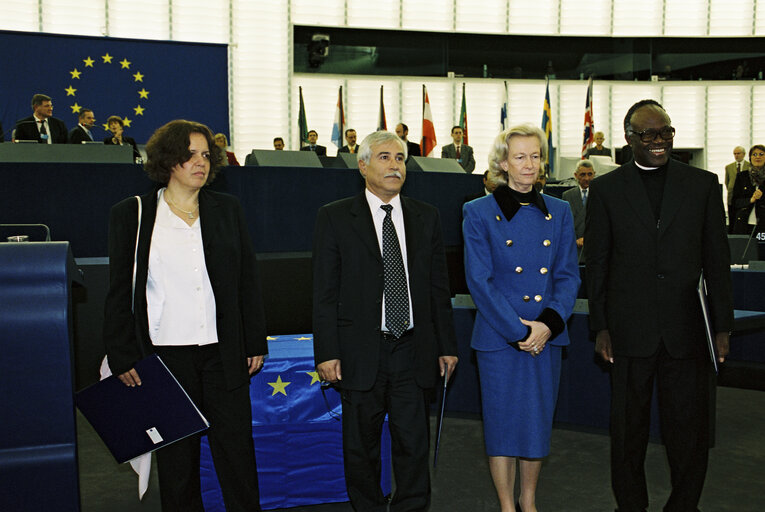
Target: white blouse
181 304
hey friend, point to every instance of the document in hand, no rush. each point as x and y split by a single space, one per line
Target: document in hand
136 420
708 327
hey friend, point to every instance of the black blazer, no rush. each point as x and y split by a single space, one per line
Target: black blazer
743 188
348 289
641 278
320 150
412 149
125 140
345 149
26 129
77 135
230 261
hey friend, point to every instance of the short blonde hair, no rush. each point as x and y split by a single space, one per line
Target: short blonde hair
500 149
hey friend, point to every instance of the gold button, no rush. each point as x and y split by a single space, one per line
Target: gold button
546 243
543 270
518 270
526 298
499 218
538 298
548 216
508 243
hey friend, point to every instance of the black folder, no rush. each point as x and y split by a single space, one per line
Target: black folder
701 289
136 420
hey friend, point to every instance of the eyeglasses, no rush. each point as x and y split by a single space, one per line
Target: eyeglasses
649 134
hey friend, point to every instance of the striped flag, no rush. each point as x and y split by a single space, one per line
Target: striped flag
463 117
589 127
338 127
503 117
381 124
302 124
547 128
428 129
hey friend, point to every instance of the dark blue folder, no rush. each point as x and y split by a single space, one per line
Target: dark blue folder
141 419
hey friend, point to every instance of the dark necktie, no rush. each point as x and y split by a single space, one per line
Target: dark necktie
584 196
396 290
43 132
458 152
738 167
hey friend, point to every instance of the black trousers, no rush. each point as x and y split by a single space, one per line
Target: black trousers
396 393
200 371
683 394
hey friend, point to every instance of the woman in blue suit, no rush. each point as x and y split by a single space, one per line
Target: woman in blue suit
521 268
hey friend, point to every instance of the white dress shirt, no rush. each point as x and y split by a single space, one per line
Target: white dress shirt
181 304
397 216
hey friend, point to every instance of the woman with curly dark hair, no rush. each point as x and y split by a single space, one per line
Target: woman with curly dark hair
747 194
183 285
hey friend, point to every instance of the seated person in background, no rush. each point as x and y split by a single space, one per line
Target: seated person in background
412 149
41 125
577 199
599 148
312 146
488 187
118 138
539 186
462 152
278 144
747 194
228 158
83 132
350 138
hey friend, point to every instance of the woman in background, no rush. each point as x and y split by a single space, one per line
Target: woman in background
228 158
521 268
747 194
118 138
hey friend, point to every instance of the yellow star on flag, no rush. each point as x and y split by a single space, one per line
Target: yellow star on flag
138 76
279 386
272 338
126 121
70 91
75 108
143 93
139 110
314 377
88 62
75 74
107 58
302 338
106 127
125 64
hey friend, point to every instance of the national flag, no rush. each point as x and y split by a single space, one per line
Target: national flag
429 142
503 117
381 124
589 126
302 124
338 127
463 117
547 128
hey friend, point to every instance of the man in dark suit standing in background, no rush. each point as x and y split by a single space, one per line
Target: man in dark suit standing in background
412 149
577 199
738 165
351 146
652 226
41 125
382 323
312 146
83 131
462 152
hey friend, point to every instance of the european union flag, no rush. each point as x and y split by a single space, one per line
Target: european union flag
146 83
547 128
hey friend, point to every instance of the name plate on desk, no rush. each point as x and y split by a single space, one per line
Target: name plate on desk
70 153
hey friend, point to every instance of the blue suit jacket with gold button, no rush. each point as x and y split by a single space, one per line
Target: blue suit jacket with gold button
517 265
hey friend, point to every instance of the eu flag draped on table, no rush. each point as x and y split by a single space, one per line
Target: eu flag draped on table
302 124
547 128
428 129
381 124
589 127
338 127
463 118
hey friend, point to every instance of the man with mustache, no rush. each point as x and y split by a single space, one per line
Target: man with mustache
382 323
652 226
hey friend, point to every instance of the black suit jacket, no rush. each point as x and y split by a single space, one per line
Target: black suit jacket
125 140
348 290
320 150
642 277
345 149
77 135
412 149
230 262
26 129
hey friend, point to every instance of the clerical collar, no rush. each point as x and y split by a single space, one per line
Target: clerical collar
510 200
644 167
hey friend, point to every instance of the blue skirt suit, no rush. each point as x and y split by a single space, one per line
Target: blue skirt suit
520 262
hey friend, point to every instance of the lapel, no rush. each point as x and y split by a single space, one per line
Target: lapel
362 224
209 217
636 196
675 192
415 234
